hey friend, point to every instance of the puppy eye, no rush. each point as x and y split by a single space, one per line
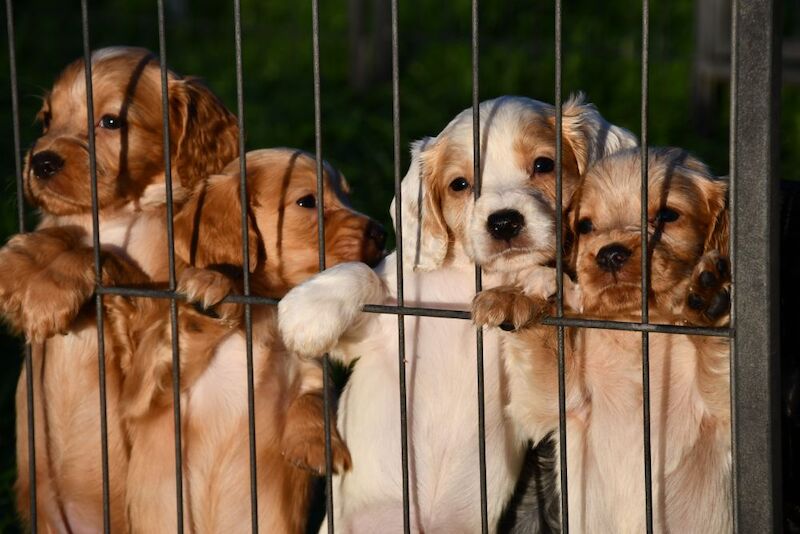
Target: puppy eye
543 165
667 215
307 201
459 184
585 226
110 122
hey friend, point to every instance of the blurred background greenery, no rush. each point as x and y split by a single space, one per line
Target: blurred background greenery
601 57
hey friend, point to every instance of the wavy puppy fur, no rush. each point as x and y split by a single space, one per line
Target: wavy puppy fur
282 230
444 231
689 375
53 271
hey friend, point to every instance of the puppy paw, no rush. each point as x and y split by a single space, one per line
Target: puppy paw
542 282
313 316
21 260
708 300
206 289
47 277
303 443
507 307
54 299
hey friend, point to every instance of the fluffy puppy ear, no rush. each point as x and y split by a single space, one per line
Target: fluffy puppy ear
204 133
590 136
714 191
424 231
208 229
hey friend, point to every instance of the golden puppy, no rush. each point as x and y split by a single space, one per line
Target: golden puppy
689 375
44 281
282 234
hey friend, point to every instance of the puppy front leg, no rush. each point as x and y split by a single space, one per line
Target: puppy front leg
303 441
541 281
319 315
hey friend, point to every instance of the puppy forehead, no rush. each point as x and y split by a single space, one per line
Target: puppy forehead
118 73
510 128
273 170
612 188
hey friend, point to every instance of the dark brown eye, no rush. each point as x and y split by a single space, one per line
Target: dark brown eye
110 122
584 226
459 184
543 165
307 201
666 215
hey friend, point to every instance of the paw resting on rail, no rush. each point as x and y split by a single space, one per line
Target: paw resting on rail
206 289
507 307
46 277
313 316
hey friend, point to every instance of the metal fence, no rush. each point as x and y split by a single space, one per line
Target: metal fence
755 84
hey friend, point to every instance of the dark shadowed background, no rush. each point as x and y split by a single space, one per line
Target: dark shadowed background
688 91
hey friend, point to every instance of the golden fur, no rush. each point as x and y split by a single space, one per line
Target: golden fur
282 237
49 273
689 375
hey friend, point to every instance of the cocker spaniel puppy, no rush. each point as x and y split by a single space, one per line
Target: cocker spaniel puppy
689 375
444 230
44 280
282 235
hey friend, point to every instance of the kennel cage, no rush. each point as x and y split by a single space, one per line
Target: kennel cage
753 332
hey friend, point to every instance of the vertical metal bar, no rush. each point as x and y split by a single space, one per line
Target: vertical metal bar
173 305
754 175
734 92
648 476
248 317
327 403
12 71
398 215
87 58
476 171
562 386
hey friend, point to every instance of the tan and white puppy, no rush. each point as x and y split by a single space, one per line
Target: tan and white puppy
689 375
287 394
443 228
44 279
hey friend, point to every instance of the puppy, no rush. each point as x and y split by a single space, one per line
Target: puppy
44 280
689 375
282 235
444 231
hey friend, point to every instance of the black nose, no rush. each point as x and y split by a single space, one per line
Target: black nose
612 257
378 235
46 164
505 224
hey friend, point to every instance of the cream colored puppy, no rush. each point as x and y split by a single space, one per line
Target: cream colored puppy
512 225
689 375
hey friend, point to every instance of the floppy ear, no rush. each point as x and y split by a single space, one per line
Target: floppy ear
589 135
204 133
424 231
569 220
208 229
715 191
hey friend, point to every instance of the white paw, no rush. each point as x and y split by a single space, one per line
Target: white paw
313 316
541 282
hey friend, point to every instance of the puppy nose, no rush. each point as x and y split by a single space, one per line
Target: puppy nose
612 257
505 224
377 234
46 164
